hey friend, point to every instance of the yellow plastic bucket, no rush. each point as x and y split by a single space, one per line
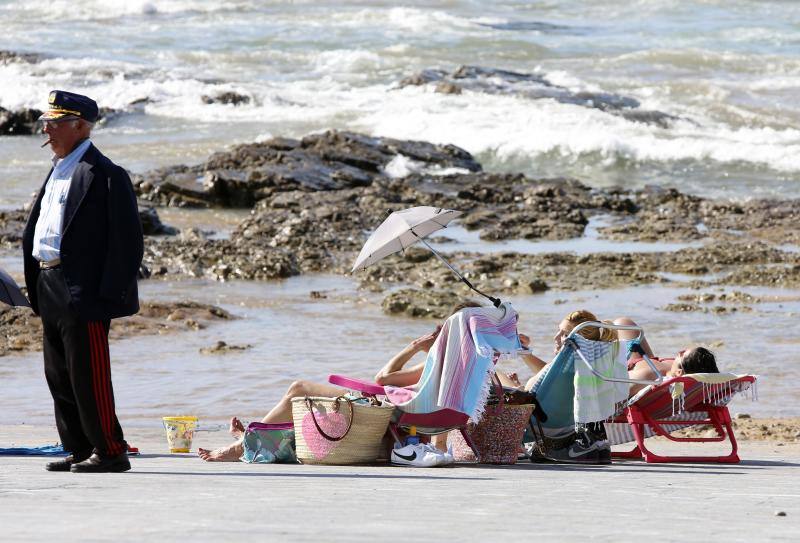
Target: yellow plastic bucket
180 431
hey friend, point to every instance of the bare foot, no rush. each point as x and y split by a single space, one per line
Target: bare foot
237 428
231 453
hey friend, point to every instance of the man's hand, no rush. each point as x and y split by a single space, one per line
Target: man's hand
525 341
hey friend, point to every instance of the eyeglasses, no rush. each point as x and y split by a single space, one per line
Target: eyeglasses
56 122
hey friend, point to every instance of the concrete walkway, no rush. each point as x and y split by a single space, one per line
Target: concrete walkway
180 498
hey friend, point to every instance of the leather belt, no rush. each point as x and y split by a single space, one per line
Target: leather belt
49 264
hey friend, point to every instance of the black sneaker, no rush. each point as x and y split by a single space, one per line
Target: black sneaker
577 453
596 432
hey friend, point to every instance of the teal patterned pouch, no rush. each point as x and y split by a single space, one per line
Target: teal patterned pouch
268 443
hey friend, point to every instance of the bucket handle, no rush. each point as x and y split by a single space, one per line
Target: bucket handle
310 407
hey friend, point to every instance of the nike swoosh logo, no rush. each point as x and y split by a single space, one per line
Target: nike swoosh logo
410 458
575 455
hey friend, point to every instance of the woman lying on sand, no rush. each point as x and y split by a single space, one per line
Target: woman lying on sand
393 373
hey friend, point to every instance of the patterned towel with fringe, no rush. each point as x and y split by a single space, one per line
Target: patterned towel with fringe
458 369
596 399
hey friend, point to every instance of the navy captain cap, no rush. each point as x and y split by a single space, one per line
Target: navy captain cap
64 104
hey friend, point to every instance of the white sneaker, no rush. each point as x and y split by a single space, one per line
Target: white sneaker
418 456
448 456
443 458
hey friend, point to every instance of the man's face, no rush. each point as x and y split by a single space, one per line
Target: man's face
64 135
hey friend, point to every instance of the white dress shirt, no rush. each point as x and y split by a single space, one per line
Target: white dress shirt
47 235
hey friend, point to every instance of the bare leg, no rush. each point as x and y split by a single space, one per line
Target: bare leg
231 453
282 412
237 428
631 334
440 441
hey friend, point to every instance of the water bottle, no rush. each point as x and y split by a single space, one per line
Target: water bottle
412 438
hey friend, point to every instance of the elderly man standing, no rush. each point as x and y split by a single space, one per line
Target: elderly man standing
82 247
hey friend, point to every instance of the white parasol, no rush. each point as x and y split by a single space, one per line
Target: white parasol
404 228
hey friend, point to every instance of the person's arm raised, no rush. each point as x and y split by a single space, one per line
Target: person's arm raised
394 373
532 361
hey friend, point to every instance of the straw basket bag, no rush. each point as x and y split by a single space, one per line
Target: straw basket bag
338 430
498 436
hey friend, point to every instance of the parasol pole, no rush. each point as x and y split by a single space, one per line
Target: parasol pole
495 301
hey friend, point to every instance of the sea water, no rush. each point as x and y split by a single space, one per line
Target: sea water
293 336
728 70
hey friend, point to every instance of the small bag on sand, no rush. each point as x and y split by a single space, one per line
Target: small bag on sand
269 443
339 430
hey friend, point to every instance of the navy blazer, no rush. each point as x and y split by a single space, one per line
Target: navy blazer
101 241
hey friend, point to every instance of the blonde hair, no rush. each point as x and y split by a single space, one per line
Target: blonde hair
590 332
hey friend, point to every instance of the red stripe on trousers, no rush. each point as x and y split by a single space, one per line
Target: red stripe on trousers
101 378
101 333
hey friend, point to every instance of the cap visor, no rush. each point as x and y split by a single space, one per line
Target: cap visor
56 115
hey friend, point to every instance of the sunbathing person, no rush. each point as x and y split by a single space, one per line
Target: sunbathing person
566 326
394 373
687 361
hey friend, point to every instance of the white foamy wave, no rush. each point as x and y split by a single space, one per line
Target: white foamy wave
351 62
511 127
404 19
401 166
88 10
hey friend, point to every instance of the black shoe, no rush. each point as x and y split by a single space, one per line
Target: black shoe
536 453
595 432
583 450
65 463
98 464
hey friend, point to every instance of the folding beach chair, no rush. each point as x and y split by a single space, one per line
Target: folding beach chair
678 403
555 387
485 341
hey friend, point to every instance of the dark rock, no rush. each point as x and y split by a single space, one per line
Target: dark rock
220 347
423 78
535 87
534 26
448 88
417 303
15 123
152 225
11 226
228 97
322 162
22 330
7 57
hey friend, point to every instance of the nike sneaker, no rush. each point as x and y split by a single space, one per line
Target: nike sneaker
585 449
445 458
417 455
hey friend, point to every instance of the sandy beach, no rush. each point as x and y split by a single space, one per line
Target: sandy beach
170 497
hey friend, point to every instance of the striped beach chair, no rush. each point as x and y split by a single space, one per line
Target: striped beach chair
677 403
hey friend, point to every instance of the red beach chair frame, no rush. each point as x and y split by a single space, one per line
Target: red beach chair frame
444 419
660 401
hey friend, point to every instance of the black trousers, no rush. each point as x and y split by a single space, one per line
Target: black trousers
78 371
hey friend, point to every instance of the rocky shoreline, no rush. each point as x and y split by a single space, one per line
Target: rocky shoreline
313 202
22 330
